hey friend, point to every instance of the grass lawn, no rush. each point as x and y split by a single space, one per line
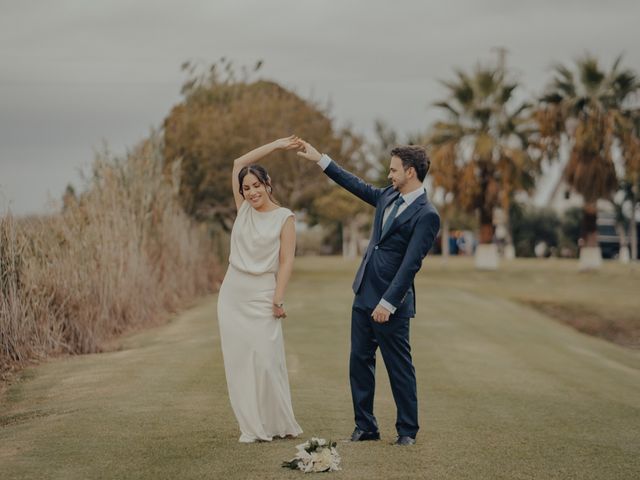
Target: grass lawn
505 391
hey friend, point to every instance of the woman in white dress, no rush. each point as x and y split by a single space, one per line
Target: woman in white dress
251 302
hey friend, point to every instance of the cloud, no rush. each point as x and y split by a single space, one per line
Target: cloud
77 72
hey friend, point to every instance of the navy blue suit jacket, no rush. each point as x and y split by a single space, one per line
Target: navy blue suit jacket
391 262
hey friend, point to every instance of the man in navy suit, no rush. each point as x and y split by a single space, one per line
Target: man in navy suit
404 229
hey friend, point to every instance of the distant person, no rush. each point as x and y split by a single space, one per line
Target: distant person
404 229
251 302
453 245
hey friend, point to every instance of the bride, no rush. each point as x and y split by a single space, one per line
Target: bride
251 302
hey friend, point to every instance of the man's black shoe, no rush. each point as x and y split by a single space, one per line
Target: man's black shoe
405 440
360 435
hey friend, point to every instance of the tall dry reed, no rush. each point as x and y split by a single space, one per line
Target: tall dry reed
118 257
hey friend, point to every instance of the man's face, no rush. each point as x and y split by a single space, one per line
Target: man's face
397 174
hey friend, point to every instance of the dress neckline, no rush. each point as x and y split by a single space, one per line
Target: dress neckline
268 211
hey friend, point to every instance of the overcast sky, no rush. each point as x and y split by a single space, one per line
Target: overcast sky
76 73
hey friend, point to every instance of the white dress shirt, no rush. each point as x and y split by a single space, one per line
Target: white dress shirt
408 198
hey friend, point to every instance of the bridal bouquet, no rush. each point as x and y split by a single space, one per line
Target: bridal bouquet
315 455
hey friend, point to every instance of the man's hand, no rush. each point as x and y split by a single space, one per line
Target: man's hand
381 314
309 152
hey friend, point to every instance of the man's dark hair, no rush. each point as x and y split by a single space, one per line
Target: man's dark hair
413 156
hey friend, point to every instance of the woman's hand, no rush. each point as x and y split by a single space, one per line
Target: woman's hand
278 311
287 143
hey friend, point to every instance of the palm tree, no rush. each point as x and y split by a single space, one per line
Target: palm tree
630 143
585 108
481 151
446 178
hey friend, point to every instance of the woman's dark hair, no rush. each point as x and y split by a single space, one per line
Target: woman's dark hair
413 156
261 174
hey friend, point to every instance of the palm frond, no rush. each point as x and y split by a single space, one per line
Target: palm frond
564 72
591 76
552 97
447 106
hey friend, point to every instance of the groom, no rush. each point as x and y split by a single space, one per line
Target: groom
404 229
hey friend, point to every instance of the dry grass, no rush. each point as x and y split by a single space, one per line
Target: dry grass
120 256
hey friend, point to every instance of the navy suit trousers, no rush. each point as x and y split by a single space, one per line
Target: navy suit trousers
393 339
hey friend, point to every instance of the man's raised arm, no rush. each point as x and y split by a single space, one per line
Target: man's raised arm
342 177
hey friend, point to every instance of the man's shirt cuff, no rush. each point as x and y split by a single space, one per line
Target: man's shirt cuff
324 161
387 305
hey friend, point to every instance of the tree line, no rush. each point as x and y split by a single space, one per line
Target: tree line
488 146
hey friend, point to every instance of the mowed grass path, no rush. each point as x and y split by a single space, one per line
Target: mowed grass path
505 392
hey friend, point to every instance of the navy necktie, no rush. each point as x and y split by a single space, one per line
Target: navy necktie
392 215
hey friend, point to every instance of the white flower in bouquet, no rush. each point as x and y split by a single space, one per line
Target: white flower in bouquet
320 441
322 460
315 455
303 455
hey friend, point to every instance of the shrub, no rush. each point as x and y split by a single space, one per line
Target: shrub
116 258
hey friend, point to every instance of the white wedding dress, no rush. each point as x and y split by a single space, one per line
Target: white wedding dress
251 337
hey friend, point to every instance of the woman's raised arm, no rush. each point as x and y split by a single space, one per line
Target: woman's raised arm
249 158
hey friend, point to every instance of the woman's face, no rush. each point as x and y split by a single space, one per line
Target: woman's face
255 192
